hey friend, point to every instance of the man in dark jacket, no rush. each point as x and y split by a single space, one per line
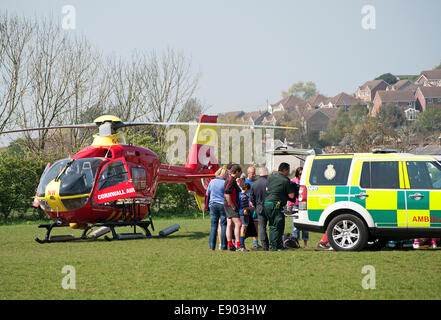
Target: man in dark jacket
278 191
257 197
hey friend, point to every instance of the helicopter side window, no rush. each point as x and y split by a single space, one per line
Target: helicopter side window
113 174
139 178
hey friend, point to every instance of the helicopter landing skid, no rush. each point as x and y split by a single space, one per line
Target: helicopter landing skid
58 238
111 228
129 236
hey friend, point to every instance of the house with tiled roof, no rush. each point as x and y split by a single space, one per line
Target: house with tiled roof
318 119
404 84
399 98
267 118
430 78
262 118
366 92
314 102
341 100
427 95
251 117
288 103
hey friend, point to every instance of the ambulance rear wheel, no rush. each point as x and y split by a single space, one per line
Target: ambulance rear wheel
347 232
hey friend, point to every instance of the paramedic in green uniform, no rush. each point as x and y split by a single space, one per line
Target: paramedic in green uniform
278 191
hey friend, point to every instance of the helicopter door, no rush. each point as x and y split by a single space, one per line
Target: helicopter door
114 182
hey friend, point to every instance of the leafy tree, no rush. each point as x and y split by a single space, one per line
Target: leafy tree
344 124
337 128
357 113
191 110
429 121
290 119
388 77
391 116
18 147
313 140
363 136
305 90
20 174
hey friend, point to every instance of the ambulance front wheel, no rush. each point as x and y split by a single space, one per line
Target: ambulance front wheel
347 232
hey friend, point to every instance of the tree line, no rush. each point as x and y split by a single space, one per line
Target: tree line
355 130
50 76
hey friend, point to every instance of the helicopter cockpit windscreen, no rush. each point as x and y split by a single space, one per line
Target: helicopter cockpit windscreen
50 174
79 176
76 176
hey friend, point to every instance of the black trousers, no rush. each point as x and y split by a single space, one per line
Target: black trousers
263 222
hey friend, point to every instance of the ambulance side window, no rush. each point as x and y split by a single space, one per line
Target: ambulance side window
330 172
424 175
380 175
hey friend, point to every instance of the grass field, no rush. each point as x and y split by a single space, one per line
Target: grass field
182 267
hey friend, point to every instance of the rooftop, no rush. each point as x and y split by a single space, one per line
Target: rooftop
396 95
431 92
289 102
432 74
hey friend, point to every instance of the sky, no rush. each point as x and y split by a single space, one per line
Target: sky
248 51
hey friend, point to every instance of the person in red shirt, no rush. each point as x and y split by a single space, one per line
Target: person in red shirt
231 206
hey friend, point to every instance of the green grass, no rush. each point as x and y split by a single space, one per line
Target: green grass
182 267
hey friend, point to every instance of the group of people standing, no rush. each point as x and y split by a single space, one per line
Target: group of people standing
239 203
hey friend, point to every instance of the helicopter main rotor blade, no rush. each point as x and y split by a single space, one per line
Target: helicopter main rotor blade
73 126
133 124
118 125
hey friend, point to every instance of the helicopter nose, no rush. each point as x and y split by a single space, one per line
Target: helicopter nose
52 196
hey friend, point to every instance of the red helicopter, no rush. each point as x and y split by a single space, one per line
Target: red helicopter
111 184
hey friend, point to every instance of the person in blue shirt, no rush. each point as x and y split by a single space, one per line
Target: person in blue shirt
245 210
215 192
251 177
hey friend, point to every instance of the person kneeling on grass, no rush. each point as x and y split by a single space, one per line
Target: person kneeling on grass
244 211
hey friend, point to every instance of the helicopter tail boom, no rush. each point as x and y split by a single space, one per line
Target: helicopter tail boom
201 162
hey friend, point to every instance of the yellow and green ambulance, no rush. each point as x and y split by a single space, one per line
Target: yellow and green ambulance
370 197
